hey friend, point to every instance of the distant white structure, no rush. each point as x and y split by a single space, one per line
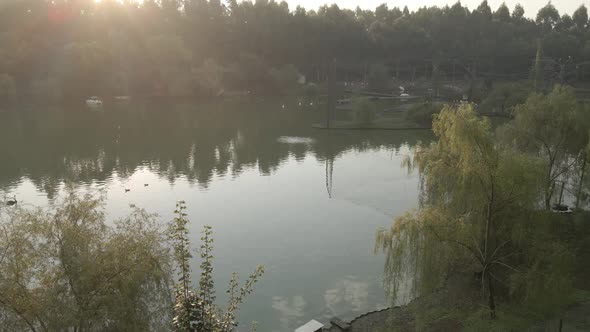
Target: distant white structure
311 326
93 101
295 140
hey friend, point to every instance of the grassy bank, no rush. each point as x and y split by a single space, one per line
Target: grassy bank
459 305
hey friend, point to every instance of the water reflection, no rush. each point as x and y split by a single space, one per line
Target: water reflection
290 310
303 202
197 142
350 296
347 292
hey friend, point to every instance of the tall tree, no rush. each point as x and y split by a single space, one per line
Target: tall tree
502 14
549 126
580 18
518 12
547 17
473 194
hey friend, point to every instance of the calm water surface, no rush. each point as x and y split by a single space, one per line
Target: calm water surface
303 202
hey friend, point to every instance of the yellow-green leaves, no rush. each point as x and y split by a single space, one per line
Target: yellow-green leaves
65 268
195 310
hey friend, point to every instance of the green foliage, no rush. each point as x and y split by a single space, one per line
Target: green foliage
251 72
554 127
504 97
580 17
65 268
285 78
87 69
540 288
364 111
547 17
195 310
502 14
423 113
478 215
159 44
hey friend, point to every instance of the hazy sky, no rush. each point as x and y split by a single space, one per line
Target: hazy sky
531 6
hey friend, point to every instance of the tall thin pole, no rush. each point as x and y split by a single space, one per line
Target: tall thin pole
454 61
561 193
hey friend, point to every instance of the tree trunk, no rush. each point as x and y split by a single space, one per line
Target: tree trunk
487 250
491 301
561 192
454 62
579 191
549 195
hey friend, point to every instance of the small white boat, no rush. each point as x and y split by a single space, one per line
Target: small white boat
311 326
404 96
93 101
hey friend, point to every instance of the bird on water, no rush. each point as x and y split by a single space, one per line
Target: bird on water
12 201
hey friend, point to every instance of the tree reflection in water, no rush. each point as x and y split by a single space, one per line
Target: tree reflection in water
196 141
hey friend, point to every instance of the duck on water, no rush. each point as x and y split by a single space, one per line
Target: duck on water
12 201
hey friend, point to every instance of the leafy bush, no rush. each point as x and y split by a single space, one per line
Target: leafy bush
364 111
195 309
65 268
422 113
285 78
504 97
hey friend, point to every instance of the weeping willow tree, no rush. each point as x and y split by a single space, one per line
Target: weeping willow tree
479 214
65 268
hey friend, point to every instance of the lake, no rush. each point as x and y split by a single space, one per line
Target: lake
303 202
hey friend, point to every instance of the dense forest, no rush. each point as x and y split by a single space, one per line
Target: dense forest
71 49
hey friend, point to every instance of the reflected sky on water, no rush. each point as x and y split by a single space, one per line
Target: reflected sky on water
303 202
